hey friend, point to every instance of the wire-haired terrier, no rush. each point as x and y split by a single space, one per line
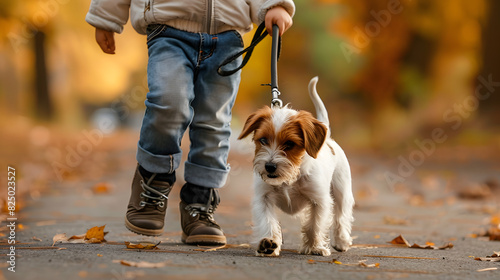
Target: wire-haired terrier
301 170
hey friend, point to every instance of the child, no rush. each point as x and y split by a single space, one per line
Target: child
187 41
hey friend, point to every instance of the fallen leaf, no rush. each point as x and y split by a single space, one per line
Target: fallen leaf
141 264
102 188
61 237
96 234
494 233
335 261
363 264
493 258
36 238
400 257
142 245
495 220
75 239
400 240
487 269
332 261
99 255
93 235
227 246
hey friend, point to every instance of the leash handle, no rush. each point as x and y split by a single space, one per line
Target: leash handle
275 53
259 35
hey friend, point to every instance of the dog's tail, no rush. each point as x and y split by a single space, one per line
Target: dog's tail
321 113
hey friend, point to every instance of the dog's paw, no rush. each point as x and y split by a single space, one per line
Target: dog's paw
320 251
268 248
342 244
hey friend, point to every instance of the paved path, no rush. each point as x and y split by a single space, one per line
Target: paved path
424 208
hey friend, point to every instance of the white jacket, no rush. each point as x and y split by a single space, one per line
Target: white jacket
208 16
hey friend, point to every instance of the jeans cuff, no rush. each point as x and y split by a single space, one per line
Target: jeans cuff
205 176
157 163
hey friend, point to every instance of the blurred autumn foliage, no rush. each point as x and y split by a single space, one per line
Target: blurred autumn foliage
390 70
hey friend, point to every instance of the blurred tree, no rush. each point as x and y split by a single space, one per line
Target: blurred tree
491 63
43 105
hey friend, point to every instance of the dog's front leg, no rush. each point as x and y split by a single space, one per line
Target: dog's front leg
266 227
316 222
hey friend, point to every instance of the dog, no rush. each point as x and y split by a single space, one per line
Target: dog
299 169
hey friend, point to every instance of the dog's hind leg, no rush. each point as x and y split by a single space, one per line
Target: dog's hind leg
343 200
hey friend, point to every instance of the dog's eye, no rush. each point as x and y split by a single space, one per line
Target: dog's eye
289 145
263 141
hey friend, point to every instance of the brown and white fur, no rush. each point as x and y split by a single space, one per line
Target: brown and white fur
302 171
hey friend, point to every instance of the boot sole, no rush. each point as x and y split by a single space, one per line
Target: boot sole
204 239
143 231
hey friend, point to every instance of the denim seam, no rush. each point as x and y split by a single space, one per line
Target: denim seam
202 57
198 61
171 164
156 32
212 49
242 43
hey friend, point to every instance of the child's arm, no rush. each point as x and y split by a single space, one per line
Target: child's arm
105 40
279 16
108 17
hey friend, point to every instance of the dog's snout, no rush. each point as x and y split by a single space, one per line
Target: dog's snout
271 167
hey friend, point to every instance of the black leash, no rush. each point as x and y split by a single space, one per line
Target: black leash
275 53
259 35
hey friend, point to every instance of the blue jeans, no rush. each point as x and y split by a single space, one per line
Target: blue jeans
185 91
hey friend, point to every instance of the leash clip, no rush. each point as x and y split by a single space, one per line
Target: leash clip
276 101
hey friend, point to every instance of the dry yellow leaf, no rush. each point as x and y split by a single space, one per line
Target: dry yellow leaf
101 188
93 235
400 240
96 233
142 245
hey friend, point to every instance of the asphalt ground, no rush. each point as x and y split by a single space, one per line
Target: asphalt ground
439 202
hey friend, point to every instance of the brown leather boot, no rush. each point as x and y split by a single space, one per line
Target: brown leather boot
147 205
198 224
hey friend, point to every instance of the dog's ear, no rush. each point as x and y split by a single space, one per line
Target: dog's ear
314 133
254 121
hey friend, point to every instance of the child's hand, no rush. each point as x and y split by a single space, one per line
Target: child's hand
106 40
279 16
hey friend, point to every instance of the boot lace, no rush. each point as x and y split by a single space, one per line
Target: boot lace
152 196
205 211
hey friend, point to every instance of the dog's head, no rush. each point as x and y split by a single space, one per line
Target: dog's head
282 138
